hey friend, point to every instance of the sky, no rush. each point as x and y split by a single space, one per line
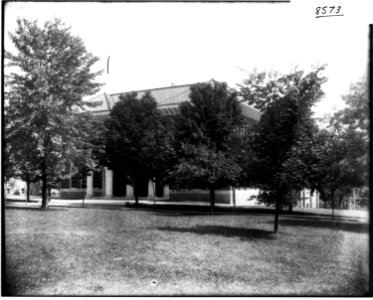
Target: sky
158 44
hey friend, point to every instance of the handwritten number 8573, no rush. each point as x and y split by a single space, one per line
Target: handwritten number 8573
328 9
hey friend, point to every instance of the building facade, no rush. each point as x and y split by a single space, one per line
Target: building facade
104 183
309 200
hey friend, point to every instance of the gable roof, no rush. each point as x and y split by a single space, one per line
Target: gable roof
174 94
168 100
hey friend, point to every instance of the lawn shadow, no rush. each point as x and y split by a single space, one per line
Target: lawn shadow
193 210
33 208
226 231
339 224
318 217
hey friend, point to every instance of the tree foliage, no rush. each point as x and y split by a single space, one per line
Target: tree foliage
49 75
356 114
20 161
284 133
137 140
211 116
206 143
340 152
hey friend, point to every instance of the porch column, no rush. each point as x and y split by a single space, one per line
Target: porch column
89 190
234 196
150 189
108 183
166 192
129 191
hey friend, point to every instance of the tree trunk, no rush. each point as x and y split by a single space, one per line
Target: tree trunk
277 211
44 198
290 207
332 196
212 200
340 197
49 194
27 190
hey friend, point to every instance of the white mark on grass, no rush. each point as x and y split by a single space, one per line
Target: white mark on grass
118 258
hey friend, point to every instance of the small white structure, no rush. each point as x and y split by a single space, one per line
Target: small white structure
15 187
247 196
308 199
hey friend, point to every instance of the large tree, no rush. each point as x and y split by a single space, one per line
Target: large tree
352 124
340 152
49 74
206 139
137 140
284 132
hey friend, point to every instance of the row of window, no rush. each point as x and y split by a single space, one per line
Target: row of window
79 180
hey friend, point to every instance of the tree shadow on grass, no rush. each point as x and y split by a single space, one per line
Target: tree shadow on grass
330 224
226 231
321 217
49 209
194 210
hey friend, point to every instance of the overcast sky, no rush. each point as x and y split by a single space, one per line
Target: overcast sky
158 44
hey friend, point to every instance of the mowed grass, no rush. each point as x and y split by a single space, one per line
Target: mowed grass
76 251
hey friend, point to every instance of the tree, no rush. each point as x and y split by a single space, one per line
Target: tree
352 124
341 151
50 73
206 132
333 172
356 115
206 168
284 132
20 161
137 140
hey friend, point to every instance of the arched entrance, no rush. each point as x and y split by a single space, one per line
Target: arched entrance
119 184
158 190
98 178
141 188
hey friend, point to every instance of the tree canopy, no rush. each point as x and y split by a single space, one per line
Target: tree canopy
137 140
211 116
48 77
205 132
284 132
340 152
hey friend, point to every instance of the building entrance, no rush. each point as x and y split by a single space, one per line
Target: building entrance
119 184
141 189
159 190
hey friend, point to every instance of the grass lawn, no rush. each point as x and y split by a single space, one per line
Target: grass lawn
76 251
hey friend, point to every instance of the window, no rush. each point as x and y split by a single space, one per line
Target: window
79 180
75 181
65 183
97 179
84 182
243 129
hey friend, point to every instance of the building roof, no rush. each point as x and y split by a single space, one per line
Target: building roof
167 98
